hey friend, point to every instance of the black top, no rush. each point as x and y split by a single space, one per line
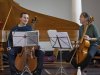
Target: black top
17 28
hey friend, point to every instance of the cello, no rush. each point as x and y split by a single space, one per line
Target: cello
26 58
82 50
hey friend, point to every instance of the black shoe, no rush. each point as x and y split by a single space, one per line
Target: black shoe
34 73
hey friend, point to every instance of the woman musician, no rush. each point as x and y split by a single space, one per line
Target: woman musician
91 35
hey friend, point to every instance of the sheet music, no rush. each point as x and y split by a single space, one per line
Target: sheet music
28 38
53 38
64 41
33 38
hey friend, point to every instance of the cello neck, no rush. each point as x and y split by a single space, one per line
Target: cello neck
85 28
84 33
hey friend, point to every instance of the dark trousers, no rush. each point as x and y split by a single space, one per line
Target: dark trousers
40 55
12 56
92 51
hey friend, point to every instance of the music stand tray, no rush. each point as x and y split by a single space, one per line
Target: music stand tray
60 40
24 39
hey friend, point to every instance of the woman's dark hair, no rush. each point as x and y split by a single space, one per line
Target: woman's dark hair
85 15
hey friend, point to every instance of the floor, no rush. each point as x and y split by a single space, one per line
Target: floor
58 69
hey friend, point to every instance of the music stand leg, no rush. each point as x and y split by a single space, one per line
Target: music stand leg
61 69
26 69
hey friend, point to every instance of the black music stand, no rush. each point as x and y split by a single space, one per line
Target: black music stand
60 40
25 39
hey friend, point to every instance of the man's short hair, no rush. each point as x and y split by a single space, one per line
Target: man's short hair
21 14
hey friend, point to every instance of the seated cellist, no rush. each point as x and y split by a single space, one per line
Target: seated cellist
92 36
13 51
